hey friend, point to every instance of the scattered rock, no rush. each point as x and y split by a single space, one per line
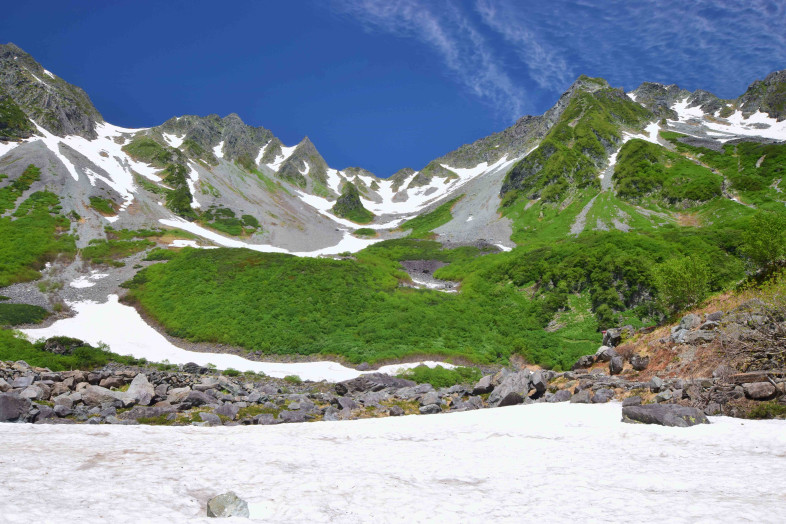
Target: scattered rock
631 401
615 365
227 505
13 407
664 414
483 386
582 397
602 396
563 395
431 409
639 362
760 390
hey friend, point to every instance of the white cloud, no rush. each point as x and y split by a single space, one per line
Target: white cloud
451 34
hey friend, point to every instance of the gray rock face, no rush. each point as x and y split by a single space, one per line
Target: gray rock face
639 362
602 396
766 95
511 390
760 390
371 382
582 397
140 391
13 407
584 362
664 415
605 353
56 105
430 409
690 321
615 365
563 395
699 337
484 385
227 505
429 398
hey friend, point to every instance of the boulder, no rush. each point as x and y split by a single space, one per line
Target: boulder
716 316
664 396
582 397
227 505
96 395
615 365
227 410
195 399
512 390
699 337
639 362
484 385
631 401
539 383
430 398
605 354
584 362
371 382
292 416
430 409
395 411
346 403
4 386
138 412
563 395
602 396
22 382
194 369
664 415
177 395
140 391
210 418
112 382
656 384
33 393
690 321
13 407
760 390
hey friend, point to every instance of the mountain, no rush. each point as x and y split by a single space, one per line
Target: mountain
591 203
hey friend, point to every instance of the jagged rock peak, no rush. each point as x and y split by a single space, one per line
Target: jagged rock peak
57 106
768 96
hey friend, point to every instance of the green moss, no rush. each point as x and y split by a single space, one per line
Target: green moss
145 149
764 410
365 232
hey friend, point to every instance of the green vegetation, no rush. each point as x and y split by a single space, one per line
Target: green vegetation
683 282
145 149
109 251
764 410
160 254
11 193
13 121
423 225
129 234
293 379
35 234
17 314
365 232
197 152
223 219
440 377
645 169
103 205
764 240
82 357
350 207
179 199
569 156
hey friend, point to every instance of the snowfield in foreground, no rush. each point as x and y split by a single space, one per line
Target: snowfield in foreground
549 462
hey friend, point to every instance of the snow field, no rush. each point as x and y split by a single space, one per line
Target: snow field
126 333
551 462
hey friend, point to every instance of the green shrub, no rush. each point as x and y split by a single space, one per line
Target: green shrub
769 409
365 232
230 372
441 377
764 240
161 254
103 205
293 379
11 193
16 314
682 282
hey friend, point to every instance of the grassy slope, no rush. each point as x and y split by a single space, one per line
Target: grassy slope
422 225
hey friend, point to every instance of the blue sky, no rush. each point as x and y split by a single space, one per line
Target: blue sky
385 84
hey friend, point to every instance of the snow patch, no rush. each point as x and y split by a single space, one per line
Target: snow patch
173 140
87 280
758 124
286 152
218 151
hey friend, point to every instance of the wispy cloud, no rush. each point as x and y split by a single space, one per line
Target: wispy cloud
452 35
714 44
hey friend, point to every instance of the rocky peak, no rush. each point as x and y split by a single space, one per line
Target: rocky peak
305 156
56 105
659 98
768 96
